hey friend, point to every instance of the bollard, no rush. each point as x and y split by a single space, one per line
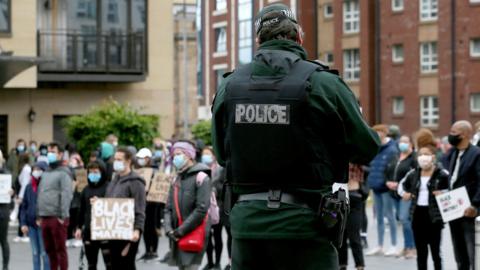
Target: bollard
477 243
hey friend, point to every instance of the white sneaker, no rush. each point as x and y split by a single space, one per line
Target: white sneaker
375 251
17 239
77 243
391 252
25 239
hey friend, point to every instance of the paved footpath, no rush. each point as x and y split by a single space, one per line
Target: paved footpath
21 254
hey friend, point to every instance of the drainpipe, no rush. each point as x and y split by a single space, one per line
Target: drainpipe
453 61
378 46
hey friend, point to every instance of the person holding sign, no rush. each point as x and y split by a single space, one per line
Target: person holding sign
421 185
187 206
127 184
97 187
464 167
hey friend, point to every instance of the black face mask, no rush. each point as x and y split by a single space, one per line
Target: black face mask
454 140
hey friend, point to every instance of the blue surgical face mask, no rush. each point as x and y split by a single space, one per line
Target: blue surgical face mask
179 161
33 148
21 148
158 153
207 159
52 157
118 166
43 152
94 177
403 147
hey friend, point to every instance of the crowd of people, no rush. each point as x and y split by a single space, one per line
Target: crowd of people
53 211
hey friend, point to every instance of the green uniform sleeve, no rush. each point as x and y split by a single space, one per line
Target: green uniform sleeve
218 124
332 94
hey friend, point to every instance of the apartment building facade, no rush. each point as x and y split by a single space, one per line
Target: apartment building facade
83 52
396 55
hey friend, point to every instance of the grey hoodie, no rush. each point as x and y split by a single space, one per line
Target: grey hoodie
130 186
55 193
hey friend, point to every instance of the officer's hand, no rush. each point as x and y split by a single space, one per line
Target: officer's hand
407 196
24 230
470 212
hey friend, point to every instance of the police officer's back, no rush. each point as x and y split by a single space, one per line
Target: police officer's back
285 129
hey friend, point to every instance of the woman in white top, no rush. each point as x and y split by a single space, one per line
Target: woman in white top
421 185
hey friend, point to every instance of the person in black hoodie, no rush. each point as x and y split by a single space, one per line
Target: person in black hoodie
421 185
127 184
97 186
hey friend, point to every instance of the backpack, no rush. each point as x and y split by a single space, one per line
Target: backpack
213 210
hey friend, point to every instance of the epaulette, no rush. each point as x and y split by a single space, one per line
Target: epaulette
226 74
324 67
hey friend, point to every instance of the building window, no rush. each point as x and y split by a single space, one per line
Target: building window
351 64
328 58
5 16
219 77
221 40
245 31
475 102
429 111
397 53
397 5
428 10
351 17
220 4
475 47
428 57
474 1
328 10
398 106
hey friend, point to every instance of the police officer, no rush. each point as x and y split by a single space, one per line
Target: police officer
285 129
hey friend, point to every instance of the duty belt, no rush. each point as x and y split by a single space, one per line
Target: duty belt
274 198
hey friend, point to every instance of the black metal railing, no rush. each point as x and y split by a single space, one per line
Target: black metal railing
74 52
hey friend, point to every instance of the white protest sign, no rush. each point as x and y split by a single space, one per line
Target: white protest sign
5 187
452 204
112 219
159 188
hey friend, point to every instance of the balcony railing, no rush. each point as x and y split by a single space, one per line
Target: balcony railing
73 52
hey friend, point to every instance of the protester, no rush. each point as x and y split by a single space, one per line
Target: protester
187 205
400 166
97 187
24 178
28 215
464 167
54 198
43 151
354 220
12 162
106 154
421 185
215 242
33 151
112 139
382 199
4 218
127 184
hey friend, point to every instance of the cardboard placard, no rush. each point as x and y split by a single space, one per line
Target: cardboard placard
5 187
147 174
81 180
452 204
112 219
159 188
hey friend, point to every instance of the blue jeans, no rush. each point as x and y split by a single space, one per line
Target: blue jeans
38 249
384 204
406 223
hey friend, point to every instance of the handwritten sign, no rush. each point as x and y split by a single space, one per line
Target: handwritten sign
81 179
147 174
5 187
158 191
112 219
452 204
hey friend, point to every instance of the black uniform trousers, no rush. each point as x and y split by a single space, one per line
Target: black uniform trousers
425 234
463 240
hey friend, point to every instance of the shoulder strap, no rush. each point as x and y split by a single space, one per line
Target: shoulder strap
175 200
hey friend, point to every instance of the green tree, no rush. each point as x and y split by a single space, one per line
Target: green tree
132 128
202 130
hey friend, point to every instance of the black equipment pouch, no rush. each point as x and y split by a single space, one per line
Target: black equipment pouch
333 212
228 198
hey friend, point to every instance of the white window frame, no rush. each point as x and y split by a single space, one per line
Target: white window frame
396 108
474 1
428 10
472 103
217 38
220 5
395 57
430 113
351 65
396 8
351 16
428 59
473 53
327 15
245 31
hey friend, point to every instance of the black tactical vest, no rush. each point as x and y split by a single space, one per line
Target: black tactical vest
267 141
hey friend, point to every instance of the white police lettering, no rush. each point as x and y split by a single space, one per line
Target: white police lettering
262 114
